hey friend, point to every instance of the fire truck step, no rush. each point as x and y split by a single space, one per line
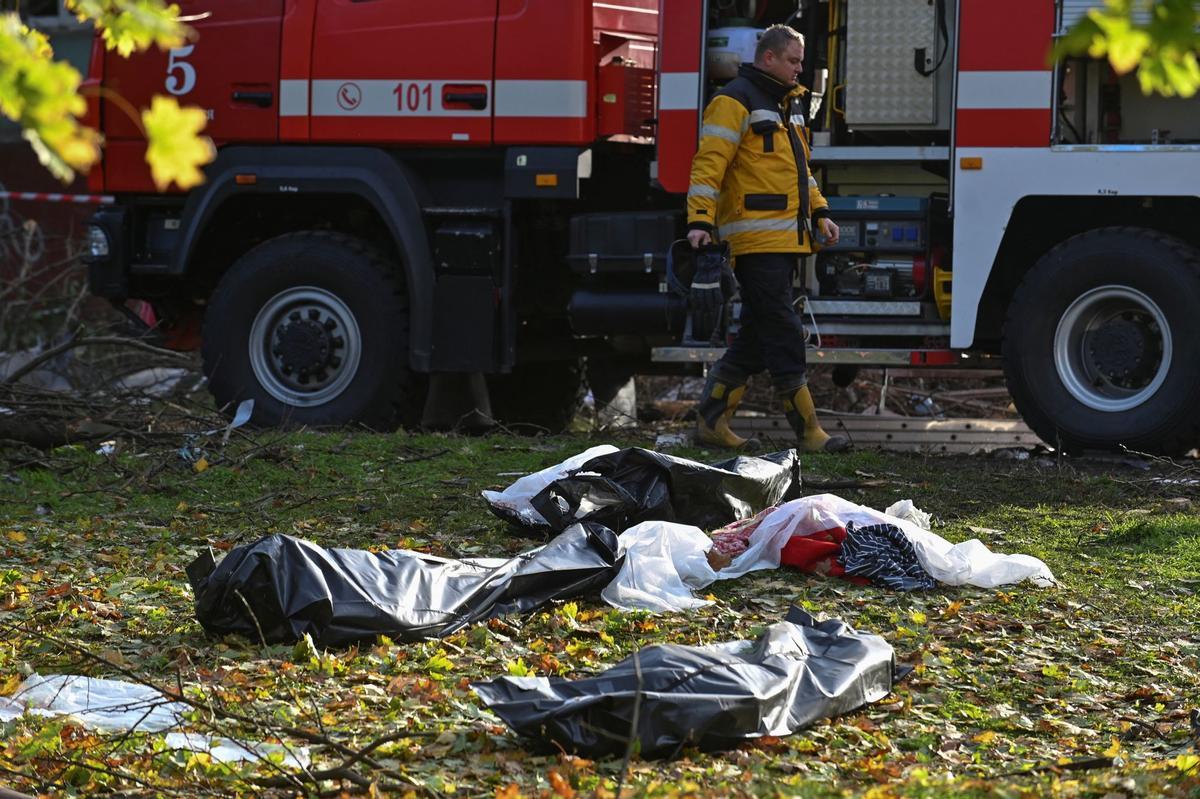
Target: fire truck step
904 434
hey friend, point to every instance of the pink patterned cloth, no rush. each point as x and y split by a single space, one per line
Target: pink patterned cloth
733 539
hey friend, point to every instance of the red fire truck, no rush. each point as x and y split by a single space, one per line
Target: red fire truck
488 189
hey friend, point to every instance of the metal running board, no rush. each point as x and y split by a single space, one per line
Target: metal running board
819 307
904 433
906 358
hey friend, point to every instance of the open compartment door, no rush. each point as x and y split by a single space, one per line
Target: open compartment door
680 82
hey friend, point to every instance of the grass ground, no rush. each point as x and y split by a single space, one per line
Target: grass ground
1083 690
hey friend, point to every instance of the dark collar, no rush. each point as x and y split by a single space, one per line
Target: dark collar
775 89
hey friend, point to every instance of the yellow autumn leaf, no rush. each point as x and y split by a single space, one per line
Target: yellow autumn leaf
1186 763
135 25
1114 748
9 685
985 737
200 465
176 149
42 96
518 668
16 536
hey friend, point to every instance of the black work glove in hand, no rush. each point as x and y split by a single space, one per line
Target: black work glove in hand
705 297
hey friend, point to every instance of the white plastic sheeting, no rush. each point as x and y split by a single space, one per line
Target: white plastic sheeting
968 563
665 562
104 705
115 706
516 498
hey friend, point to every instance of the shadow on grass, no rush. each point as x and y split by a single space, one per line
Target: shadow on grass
1152 534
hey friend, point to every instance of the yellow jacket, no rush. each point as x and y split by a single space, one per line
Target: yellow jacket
750 181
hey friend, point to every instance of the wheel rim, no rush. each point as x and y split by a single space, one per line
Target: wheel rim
305 346
1112 348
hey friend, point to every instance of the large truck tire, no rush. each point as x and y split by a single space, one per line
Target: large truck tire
538 396
1102 343
313 326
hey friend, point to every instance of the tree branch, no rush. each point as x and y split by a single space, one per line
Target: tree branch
90 341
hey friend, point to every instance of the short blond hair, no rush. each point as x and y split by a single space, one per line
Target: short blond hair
776 39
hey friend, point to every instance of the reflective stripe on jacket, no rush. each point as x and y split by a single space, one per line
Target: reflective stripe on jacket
750 179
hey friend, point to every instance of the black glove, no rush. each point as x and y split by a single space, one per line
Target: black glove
705 296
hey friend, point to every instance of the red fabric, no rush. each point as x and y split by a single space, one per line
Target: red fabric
815 553
818 554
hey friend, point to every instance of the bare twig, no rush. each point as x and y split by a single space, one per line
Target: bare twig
426 457
89 341
633 725
831 485
1074 765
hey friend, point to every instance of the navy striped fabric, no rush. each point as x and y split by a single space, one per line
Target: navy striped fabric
884 555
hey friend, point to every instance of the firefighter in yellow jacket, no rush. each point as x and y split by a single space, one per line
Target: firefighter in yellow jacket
750 186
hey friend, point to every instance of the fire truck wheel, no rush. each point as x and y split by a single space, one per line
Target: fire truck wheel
1102 343
313 327
538 395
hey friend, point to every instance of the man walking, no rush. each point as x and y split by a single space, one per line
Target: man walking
750 185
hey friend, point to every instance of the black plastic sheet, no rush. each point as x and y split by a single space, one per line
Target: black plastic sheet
711 697
280 588
634 485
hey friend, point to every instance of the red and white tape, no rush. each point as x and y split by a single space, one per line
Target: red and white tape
40 196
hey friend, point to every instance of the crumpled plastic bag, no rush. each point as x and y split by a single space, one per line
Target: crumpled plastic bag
513 503
905 509
663 562
712 697
622 488
116 706
99 704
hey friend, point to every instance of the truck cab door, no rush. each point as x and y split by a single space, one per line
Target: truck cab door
403 71
231 70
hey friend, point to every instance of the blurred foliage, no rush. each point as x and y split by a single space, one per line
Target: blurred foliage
43 94
1158 38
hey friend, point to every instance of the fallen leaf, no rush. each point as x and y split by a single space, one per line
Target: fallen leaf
560 785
